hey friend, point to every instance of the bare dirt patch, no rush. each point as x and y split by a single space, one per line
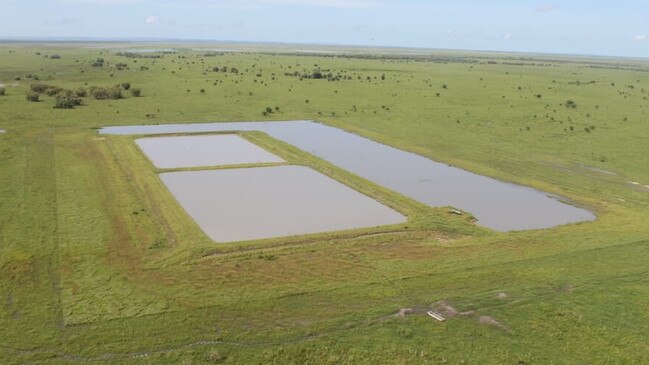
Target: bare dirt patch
403 312
565 289
444 308
492 322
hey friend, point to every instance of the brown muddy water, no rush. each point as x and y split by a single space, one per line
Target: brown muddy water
265 202
496 204
196 151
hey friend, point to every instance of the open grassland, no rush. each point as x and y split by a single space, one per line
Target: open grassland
99 263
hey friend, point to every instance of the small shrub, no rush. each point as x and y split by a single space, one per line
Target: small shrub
39 87
136 92
53 90
55 57
125 85
2 91
66 99
215 356
81 92
99 62
33 96
101 93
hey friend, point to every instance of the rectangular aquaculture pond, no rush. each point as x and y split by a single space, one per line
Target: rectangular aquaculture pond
496 204
208 150
265 202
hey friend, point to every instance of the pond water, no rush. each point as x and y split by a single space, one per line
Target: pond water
498 205
265 202
196 151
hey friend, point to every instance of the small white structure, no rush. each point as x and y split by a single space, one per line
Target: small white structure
436 316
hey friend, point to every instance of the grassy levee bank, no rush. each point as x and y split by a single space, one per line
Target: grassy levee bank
99 263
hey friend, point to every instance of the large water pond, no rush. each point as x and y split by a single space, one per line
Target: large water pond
265 202
196 151
498 205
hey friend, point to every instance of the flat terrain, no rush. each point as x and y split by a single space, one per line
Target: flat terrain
99 263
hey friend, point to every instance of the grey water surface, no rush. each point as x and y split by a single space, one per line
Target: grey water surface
265 202
209 150
496 204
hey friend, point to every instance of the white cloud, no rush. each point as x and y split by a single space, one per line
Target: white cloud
61 22
507 35
240 4
104 2
546 8
151 19
347 4
640 38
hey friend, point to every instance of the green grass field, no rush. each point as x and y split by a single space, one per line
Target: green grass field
98 263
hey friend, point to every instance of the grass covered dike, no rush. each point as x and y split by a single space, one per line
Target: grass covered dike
99 263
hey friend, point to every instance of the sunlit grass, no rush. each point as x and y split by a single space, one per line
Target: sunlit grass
99 262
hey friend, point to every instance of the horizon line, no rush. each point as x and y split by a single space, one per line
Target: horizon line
108 40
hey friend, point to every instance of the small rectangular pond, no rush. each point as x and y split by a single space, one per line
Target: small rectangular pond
266 202
197 151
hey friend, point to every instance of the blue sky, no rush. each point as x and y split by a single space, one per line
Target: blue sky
617 28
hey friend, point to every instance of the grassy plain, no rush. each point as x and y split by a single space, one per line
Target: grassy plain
99 263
